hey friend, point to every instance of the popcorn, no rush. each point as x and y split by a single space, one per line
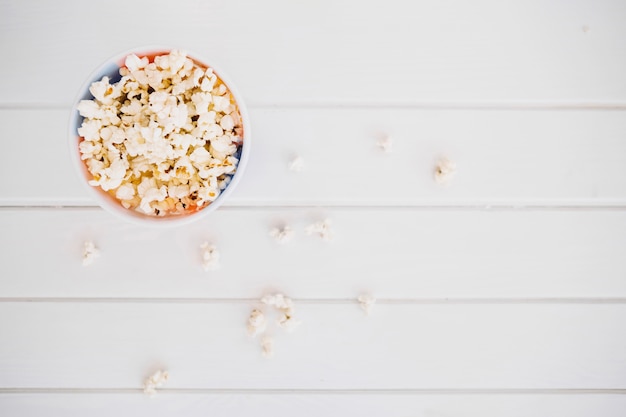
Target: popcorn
210 257
285 307
90 253
125 192
227 122
171 122
296 164
158 379
366 301
267 346
385 144
105 92
221 104
280 301
89 109
134 63
321 228
287 322
444 171
283 235
256 323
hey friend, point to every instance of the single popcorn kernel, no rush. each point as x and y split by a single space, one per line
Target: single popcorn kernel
278 300
296 164
322 229
158 379
366 301
282 235
445 171
256 323
210 257
165 139
267 346
90 253
288 322
385 144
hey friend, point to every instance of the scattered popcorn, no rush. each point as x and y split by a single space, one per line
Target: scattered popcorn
267 346
321 228
385 144
444 171
155 381
164 140
586 29
210 257
366 302
90 253
283 235
256 323
296 164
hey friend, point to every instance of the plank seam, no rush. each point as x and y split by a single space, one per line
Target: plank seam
416 391
313 301
361 207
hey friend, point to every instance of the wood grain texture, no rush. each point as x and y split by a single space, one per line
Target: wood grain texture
228 405
282 52
66 345
503 157
392 253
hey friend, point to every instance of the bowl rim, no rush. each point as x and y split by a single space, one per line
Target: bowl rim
108 202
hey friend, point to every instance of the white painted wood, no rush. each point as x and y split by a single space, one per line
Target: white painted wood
228 405
392 253
327 52
527 97
503 157
116 345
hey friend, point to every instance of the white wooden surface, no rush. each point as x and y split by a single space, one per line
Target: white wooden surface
501 295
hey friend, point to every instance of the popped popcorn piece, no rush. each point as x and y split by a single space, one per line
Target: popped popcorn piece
134 63
282 235
444 171
267 346
210 257
296 164
288 322
256 323
321 228
278 300
163 139
158 379
385 144
90 253
227 123
366 301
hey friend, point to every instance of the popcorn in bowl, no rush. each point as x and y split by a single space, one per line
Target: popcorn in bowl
161 136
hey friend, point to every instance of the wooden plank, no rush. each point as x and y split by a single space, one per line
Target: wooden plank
503 157
393 253
379 405
113 345
278 52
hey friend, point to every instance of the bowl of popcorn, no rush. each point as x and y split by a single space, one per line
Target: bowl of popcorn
159 137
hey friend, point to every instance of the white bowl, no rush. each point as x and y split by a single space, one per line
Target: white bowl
111 69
